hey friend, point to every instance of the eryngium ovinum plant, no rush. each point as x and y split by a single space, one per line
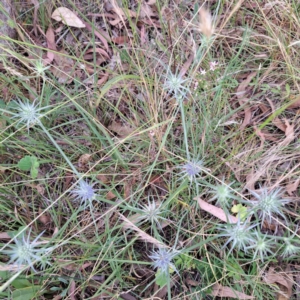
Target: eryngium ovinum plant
24 252
247 235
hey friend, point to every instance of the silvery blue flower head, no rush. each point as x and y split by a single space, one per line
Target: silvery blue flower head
268 203
192 169
262 245
28 113
24 252
223 194
291 245
162 260
151 213
239 235
174 83
84 193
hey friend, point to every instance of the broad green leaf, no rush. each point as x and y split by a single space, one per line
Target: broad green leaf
240 210
34 172
27 293
21 283
25 163
161 279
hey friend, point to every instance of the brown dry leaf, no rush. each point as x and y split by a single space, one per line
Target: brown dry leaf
284 282
292 187
295 102
147 11
66 16
35 15
127 224
120 40
289 133
4 236
84 159
241 91
44 218
216 211
100 34
64 66
276 121
120 13
224 291
110 195
72 290
122 130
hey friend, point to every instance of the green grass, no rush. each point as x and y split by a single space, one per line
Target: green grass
132 137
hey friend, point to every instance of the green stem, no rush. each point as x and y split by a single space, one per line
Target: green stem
184 130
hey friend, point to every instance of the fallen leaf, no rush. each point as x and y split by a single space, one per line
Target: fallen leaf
292 187
4 236
276 121
44 217
241 91
295 102
63 68
84 159
289 134
216 211
122 130
284 282
66 16
110 195
72 289
224 291
127 224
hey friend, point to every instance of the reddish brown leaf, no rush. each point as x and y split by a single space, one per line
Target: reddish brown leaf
241 91
216 211
119 40
100 34
295 102
224 291
292 187
289 133
72 289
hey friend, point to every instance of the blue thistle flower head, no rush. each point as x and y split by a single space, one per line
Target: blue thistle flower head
84 193
192 169
162 260
26 253
28 113
269 203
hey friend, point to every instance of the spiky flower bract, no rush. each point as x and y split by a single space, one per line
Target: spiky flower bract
192 169
268 203
28 113
162 259
291 245
25 252
84 193
174 83
262 245
223 194
239 235
151 213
